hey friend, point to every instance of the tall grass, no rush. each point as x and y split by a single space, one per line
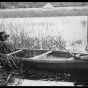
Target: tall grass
26 38
36 42
35 36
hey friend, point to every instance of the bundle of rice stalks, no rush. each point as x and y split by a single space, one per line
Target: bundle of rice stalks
10 67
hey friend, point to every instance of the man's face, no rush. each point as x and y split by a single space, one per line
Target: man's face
5 37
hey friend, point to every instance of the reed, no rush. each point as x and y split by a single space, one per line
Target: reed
9 69
22 37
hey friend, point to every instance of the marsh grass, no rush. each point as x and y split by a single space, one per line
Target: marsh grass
10 68
22 37
7 71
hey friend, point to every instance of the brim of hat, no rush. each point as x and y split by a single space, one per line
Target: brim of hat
7 36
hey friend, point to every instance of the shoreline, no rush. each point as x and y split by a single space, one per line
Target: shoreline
26 82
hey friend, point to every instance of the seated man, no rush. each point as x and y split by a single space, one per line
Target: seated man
6 45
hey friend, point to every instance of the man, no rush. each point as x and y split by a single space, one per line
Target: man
6 45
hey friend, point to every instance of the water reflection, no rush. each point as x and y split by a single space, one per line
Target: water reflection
78 78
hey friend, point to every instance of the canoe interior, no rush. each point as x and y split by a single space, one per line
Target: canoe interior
32 53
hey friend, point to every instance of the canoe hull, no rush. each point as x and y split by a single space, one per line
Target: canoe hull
57 66
54 64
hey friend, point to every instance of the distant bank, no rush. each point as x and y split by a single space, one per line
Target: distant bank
44 12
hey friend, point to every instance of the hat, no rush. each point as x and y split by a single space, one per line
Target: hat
3 36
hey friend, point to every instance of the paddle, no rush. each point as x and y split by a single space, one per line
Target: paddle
76 57
14 52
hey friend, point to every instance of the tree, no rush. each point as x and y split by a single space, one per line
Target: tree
83 3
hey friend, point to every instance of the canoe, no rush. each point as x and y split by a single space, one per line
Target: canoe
52 60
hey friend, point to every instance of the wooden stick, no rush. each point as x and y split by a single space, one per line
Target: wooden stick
14 52
63 47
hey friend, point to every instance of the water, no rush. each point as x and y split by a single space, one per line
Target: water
55 78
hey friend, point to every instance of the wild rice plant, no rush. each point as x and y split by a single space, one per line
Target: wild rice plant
10 67
22 38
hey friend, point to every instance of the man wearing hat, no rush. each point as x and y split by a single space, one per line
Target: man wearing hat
6 45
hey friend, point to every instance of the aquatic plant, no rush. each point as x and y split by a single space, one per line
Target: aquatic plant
21 35
10 67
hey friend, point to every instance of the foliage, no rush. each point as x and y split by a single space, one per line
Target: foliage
5 5
10 67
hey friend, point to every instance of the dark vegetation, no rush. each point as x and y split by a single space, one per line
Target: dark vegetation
12 5
9 66
14 13
21 13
